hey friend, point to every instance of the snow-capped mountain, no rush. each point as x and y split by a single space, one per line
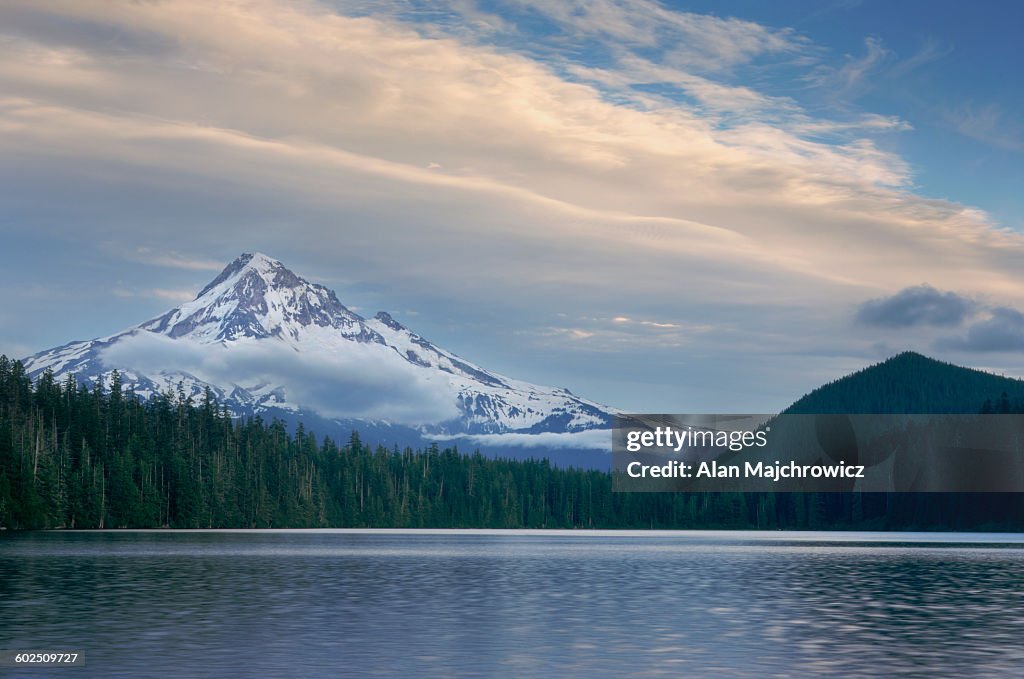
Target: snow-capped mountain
268 342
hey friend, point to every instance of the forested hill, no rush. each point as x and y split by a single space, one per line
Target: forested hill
912 383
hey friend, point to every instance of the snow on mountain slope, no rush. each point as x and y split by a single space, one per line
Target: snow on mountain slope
266 341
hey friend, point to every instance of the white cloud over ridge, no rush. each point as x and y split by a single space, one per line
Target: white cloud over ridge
357 384
592 439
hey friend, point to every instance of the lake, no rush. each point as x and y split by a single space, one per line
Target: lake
330 603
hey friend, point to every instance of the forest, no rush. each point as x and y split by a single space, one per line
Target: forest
78 457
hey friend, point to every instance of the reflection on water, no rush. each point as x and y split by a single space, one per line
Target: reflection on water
466 603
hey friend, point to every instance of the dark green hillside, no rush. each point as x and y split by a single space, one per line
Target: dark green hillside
910 383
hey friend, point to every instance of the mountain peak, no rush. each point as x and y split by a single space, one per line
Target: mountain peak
258 258
909 355
265 266
257 296
908 382
265 340
271 270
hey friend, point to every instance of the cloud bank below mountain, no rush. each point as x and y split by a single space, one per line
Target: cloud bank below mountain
361 383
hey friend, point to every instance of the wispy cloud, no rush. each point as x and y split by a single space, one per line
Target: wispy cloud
172 295
625 320
182 295
860 74
687 39
163 258
569 333
854 76
618 333
931 50
989 124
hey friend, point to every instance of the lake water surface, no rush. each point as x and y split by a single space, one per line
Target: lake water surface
337 603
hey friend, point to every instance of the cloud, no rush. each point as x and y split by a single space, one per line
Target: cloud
170 295
155 256
989 125
174 260
916 306
183 295
687 38
931 50
854 76
860 74
593 439
574 334
360 383
626 320
608 157
1002 330
360 108
621 333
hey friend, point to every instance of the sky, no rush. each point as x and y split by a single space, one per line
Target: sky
666 207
